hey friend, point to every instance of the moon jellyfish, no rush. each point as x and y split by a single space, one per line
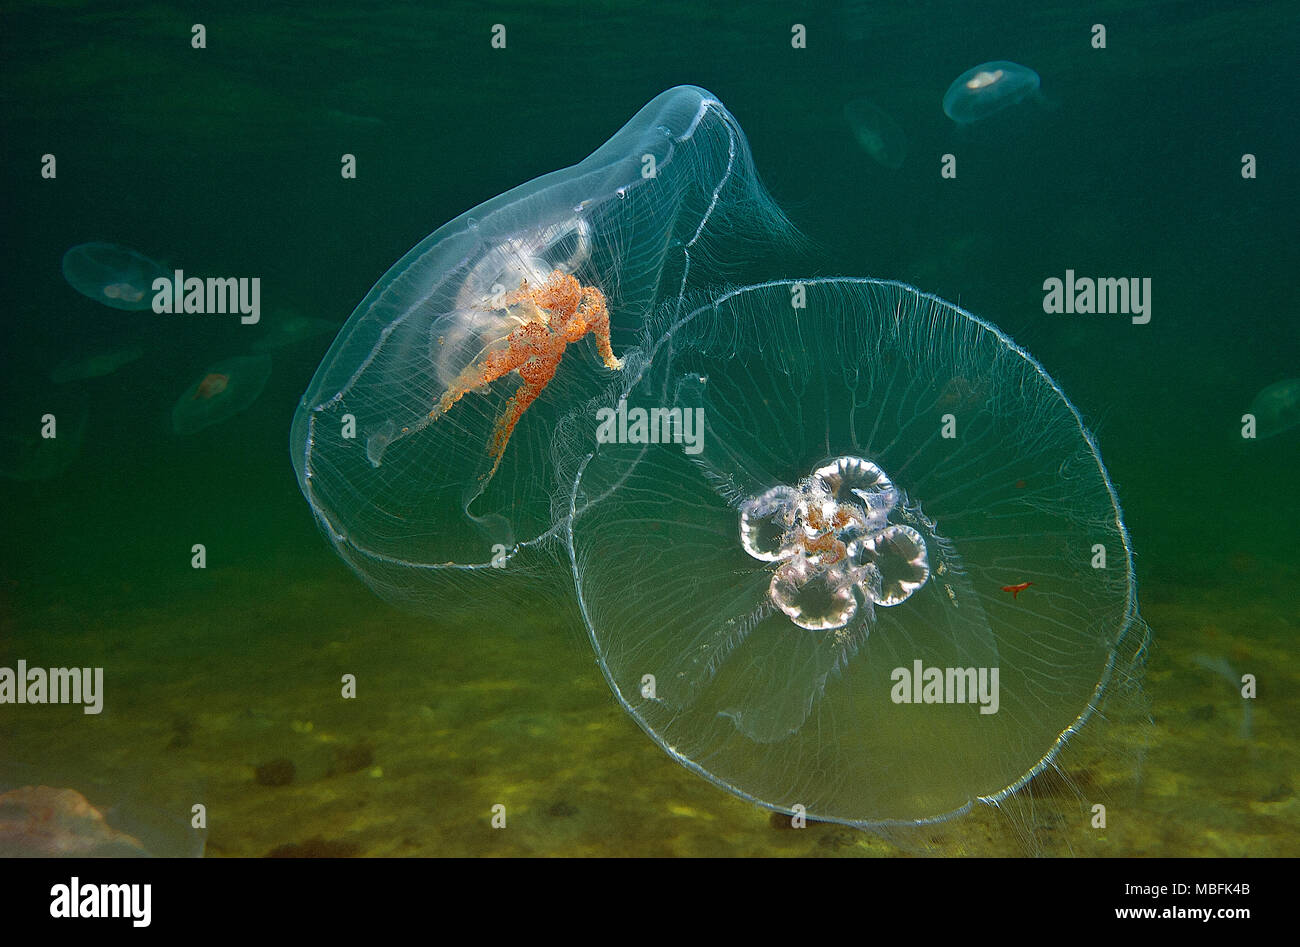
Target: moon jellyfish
95 365
223 391
290 328
988 88
429 443
877 133
815 608
112 275
28 452
1277 407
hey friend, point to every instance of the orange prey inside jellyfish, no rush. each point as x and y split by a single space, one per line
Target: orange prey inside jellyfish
550 316
212 385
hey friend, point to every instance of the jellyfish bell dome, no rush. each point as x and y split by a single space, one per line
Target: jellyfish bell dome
96 364
112 275
988 88
288 328
1277 408
815 608
220 392
27 452
428 444
877 133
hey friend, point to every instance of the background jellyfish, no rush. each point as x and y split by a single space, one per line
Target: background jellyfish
26 455
877 133
988 88
289 328
221 392
1277 407
95 364
752 606
112 275
411 445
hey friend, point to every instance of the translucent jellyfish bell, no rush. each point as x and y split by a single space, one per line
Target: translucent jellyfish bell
290 328
432 441
1276 408
988 88
96 364
26 451
114 276
875 470
877 133
221 392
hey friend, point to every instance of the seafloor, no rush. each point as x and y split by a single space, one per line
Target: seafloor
210 694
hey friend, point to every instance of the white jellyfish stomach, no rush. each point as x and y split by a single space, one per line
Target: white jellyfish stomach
481 316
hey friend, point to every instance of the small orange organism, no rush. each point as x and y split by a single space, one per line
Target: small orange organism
550 316
211 386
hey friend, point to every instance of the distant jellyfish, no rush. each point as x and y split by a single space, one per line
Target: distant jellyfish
112 275
290 328
95 365
877 133
27 453
1276 408
1221 667
222 391
988 88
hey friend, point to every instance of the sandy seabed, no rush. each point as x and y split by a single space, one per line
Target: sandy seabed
230 696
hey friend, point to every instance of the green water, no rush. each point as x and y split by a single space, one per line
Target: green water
225 161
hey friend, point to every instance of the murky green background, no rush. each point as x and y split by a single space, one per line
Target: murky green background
225 161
